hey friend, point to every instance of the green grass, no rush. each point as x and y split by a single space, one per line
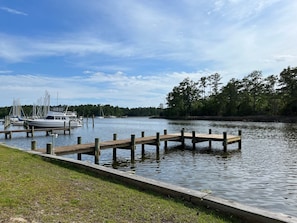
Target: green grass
40 191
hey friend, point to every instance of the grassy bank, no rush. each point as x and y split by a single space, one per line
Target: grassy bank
34 190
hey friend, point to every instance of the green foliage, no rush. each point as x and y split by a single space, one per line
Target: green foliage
253 95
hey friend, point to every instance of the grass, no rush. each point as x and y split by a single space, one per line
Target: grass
34 190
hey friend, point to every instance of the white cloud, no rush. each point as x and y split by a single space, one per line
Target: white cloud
13 11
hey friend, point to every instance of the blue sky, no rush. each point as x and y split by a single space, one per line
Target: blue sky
131 53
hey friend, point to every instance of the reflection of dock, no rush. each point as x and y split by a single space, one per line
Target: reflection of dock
30 132
130 144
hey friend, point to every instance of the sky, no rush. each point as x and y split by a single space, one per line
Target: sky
132 53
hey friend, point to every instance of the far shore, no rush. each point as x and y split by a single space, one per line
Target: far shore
255 118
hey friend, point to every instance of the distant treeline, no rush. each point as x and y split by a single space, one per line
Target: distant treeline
96 110
254 95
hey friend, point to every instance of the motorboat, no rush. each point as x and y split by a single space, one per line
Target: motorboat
56 119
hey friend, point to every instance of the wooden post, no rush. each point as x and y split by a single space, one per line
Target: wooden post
209 141
79 142
32 131
142 145
183 137
165 142
69 129
158 142
239 142
97 151
225 141
49 148
194 139
33 145
64 128
114 150
133 148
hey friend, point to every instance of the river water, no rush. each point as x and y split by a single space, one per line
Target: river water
262 174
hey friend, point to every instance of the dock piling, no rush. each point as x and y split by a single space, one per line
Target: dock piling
142 145
33 145
194 139
158 142
165 142
133 147
79 142
97 150
209 141
225 141
239 142
49 148
114 150
183 137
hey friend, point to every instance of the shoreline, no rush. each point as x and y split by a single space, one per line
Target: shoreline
250 118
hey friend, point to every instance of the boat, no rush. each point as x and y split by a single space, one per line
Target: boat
56 119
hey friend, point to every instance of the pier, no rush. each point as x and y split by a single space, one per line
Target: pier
30 132
130 144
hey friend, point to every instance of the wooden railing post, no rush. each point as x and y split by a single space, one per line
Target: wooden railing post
133 145
114 150
142 145
97 150
79 142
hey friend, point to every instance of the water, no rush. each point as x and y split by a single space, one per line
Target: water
262 174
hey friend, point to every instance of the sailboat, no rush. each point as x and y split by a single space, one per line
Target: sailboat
101 113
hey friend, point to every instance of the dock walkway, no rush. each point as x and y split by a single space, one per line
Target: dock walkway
30 132
130 144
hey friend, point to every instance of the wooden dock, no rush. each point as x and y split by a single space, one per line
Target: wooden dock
130 144
30 132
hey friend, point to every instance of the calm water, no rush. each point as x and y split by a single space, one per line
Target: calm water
262 174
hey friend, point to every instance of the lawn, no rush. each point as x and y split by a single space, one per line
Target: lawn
35 190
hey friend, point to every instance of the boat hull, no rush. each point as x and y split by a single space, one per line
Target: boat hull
44 123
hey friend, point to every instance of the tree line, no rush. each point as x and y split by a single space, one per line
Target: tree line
253 95
90 110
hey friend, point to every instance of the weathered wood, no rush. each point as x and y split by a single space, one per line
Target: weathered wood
97 151
158 142
8 133
49 148
133 147
193 141
225 142
142 145
239 141
183 137
94 148
165 142
33 145
79 142
114 150
209 141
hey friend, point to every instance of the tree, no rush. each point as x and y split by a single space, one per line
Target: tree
182 98
288 83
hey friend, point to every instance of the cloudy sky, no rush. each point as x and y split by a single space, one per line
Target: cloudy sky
131 53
